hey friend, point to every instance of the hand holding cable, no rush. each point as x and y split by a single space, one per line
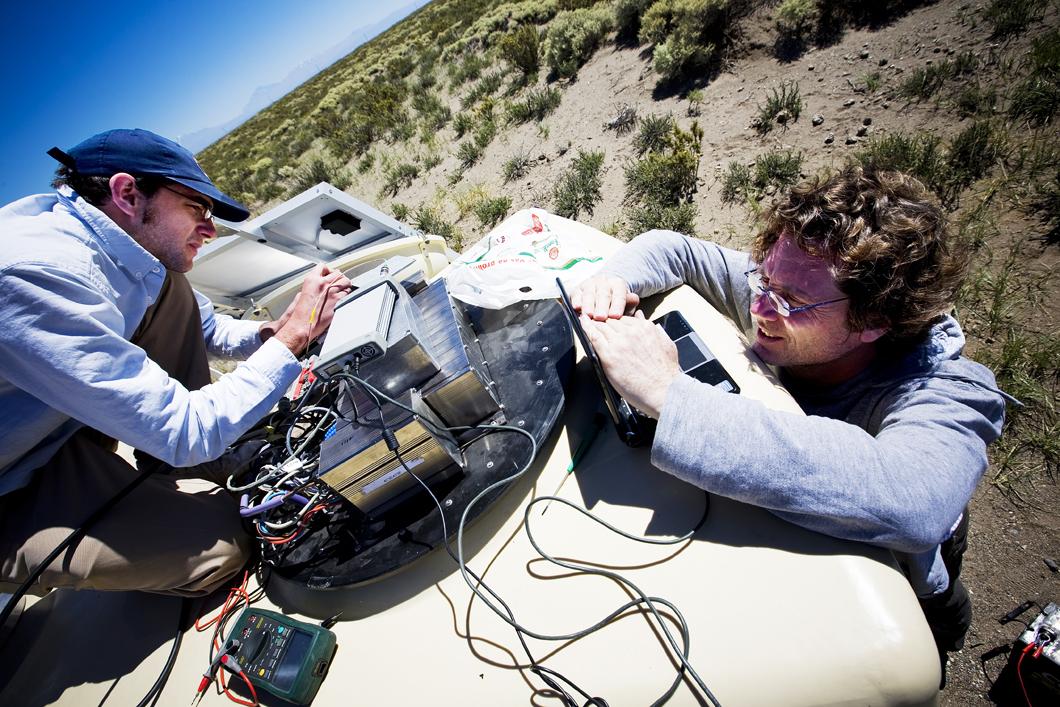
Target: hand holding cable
309 314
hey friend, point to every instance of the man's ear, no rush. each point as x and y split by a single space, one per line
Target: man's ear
124 195
869 336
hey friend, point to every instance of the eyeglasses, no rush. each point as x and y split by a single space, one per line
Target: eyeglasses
779 304
204 211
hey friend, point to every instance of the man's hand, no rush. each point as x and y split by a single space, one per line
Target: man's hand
638 357
604 297
309 314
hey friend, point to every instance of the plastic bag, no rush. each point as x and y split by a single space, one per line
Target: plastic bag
521 258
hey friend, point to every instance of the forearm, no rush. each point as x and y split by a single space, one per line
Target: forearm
902 489
658 261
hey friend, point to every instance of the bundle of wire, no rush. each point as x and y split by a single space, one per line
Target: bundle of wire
238 598
280 494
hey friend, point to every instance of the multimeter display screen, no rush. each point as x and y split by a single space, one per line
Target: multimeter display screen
297 649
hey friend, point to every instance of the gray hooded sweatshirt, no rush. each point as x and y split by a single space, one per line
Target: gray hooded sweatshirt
890 457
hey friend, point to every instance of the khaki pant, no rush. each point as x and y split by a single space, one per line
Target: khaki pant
173 534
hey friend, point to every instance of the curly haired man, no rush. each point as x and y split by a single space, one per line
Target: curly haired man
846 293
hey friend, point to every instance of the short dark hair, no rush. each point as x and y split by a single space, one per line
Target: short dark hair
888 243
96 189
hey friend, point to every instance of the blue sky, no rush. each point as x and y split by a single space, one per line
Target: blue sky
70 70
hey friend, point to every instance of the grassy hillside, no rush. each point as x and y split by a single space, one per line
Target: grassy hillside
693 115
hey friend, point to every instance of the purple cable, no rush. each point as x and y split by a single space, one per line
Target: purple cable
245 510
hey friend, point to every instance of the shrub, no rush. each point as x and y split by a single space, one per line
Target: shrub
623 121
927 81
796 18
1037 97
537 104
573 37
737 183
353 118
521 49
431 161
469 69
974 100
490 212
467 199
628 14
871 82
660 186
686 34
469 153
972 153
1046 206
399 210
919 155
695 102
1009 17
317 170
486 86
662 177
924 82
680 218
578 189
970 156
462 123
516 167
654 133
429 220
783 106
366 163
433 113
398 177
776 169
485 132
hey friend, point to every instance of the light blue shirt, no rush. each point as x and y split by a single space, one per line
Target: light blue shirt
73 289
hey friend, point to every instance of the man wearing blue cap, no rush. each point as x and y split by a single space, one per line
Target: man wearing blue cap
103 339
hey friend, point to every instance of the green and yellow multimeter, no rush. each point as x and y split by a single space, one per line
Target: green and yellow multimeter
282 656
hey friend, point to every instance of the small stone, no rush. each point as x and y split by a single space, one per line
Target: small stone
829 139
863 131
885 105
867 121
848 102
739 89
783 116
883 62
852 140
541 158
1051 564
817 119
811 67
864 54
936 50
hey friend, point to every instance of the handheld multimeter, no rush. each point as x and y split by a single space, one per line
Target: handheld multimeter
282 656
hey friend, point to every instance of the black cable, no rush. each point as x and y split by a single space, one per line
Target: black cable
76 534
182 623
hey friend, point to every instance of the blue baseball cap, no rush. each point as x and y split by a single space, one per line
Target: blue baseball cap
143 153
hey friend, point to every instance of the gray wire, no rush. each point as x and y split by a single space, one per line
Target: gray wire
508 617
